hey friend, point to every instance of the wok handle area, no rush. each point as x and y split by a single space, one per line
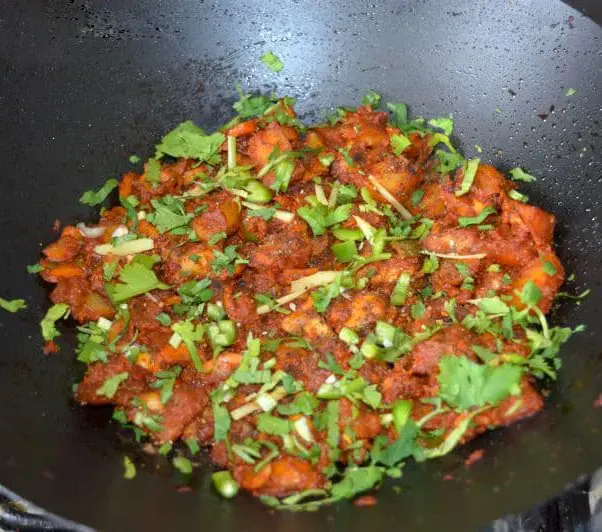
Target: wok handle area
16 515
578 508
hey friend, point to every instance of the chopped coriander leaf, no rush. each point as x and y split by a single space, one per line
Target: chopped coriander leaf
272 61
399 112
193 446
566 295
189 141
92 344
153 171
216 237
182 464
465 221
226 260
96 197
331 365
339 215
215 312
464 384
372 99
249 106
422 230
342 233
53 314
135 280
221 422
346 194
549 268
325 294
143 419
491 305
304 403
164 319
13 305
431 264
349 336
518 174
399 143
371 396
326 159
401 289
314 218
165 448
129 205
448 162
109 387
272 304
119 416
134 159
196 292
440 138
402 448
486 355
266 213
417 310
345 153
463 269
417 196
129 469
450 307
468 175
570 91
108 269
356 480
34 268
530 294
451 440
283 171
387 343
165 381
444 123
169 214
273 425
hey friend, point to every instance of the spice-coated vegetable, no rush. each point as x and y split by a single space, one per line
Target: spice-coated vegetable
317 305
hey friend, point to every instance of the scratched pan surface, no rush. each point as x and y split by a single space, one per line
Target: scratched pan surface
87 83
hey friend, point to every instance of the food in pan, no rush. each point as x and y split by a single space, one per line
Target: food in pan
311 305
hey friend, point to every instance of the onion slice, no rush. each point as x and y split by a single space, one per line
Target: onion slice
455 255
314 280
91 232
264 309
390 198
283 216
130 247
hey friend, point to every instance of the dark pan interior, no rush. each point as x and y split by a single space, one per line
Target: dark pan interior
85 84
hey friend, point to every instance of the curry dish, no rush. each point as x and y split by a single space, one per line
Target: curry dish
311 305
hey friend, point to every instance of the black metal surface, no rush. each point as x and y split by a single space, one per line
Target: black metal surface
87 83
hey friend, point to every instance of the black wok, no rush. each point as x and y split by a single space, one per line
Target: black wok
87 83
